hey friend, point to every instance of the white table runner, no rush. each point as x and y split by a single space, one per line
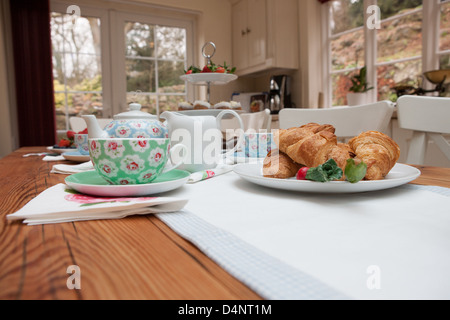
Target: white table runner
392 244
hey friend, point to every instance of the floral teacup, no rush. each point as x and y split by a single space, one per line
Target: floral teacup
258 145
132 161
81 141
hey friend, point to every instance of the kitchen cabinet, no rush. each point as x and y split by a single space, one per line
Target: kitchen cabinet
265 35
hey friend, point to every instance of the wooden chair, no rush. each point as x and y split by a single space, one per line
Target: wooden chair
348 121
429 118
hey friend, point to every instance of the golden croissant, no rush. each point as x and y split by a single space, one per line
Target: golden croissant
378 151
312 145
278 165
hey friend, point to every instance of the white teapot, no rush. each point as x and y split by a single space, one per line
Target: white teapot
202 137
131 124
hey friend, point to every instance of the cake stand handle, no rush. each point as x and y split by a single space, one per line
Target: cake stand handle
207 56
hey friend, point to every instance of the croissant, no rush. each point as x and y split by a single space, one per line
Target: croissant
278 165
312 145
341 153
286 138
378 151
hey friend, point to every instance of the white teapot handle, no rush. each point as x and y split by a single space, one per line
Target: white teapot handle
241 131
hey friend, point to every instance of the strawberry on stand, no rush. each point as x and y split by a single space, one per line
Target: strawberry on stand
192 70
211 68
68 141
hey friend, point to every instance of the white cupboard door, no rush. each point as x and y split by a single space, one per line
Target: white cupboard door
240 38
256 32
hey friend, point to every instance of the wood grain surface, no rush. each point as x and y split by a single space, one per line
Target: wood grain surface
133 258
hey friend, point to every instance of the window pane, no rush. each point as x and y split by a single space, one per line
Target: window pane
346 15
76 50
347 51
341 85
444 63
148 102
445 27
78 104
400 38
140 40
156 58
398 74
76 35
391 8
169 77
140 75
171 43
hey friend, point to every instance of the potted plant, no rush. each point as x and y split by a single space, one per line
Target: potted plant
358 92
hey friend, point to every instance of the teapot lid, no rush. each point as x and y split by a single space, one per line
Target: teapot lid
134 113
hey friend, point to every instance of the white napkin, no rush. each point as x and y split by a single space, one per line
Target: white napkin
54 158
60 204
208 174
71 169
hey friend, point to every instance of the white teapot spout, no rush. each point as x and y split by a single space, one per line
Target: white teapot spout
94 130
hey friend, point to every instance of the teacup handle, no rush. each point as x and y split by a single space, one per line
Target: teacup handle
241 133
172 150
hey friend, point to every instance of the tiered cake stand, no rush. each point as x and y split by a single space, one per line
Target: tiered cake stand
210 78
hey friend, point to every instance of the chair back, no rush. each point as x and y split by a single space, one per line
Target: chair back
429 118
348 121
252 121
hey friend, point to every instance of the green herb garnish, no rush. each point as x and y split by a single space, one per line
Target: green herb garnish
355 173
329 171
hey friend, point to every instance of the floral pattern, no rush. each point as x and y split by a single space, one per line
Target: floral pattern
114 148
135 128
157 156
129 161
140 145
123 132
132 164
85 199
148 176
107 168
94 149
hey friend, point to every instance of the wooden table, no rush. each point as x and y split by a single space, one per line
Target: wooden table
133 258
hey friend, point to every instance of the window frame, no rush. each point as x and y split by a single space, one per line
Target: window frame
119 68
114 88
430 46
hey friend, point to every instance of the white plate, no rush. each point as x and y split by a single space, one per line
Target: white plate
76 156
90 182
401 174
60 150
212 77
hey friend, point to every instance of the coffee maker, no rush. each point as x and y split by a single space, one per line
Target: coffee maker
280 93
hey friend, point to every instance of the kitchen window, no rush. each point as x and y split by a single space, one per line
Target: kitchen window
104 59
410 39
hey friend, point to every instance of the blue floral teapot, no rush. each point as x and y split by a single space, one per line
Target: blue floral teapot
132 124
